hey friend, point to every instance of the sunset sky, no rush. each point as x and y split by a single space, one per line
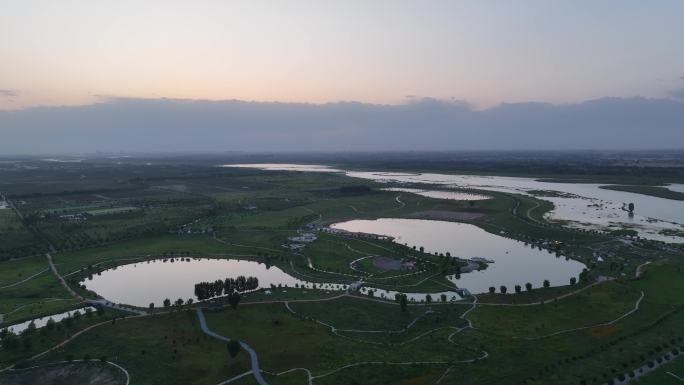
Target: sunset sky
61 53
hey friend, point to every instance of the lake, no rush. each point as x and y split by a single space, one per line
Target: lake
584 205
142 283
514 262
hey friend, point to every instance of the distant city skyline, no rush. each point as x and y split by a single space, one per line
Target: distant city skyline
69 53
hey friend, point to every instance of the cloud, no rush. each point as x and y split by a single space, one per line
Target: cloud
7 93
677 94
161 125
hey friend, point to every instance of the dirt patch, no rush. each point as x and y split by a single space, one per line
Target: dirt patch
447 215
385 263
174 187
91 373
602 332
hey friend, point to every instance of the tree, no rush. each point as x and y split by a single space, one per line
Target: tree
573 280
403 302
528 286
151 305
428 298
234 299
492 290
518 289
503 289
167 302
234 348
583 275
547 284
444 297
179 303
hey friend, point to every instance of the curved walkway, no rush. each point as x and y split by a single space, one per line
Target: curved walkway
401 204
25 279
636 307
252 353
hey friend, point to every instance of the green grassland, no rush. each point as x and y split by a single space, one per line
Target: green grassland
600 304
285 340
17 240
590 334
165 349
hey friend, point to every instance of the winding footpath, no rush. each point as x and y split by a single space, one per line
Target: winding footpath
636 308
61 279
256 371
24 280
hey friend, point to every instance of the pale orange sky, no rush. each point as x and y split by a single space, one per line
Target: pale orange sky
67 52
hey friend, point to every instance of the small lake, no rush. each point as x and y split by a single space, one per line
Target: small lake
42 321
142 283
514 262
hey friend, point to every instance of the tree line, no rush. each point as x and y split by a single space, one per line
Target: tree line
207 290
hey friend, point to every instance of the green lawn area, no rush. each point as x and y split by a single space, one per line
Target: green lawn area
15 240
355 313
285 341
35 294
16 270
598 304
41 339
163 349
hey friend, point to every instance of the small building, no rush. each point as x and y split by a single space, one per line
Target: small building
73 217
354 287
305 238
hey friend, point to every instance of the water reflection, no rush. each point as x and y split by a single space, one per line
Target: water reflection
583 205
153 281
42 321
453 195
514 262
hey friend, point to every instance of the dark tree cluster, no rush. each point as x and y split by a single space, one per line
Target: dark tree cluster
206 290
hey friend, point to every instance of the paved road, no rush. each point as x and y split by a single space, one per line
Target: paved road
256 371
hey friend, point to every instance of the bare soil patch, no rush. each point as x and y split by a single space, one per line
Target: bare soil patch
385 263
82 373
447 215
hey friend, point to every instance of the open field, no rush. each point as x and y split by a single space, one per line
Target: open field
586 333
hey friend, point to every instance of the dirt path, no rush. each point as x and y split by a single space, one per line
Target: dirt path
61 279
